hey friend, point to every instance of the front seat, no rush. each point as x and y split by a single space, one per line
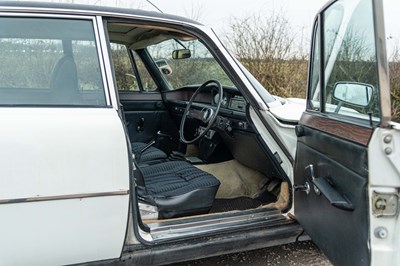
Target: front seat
151 154
176 188
64 78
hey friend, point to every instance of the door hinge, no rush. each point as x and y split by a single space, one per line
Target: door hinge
385 204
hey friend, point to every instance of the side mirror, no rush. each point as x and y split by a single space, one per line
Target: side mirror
164 67
353 93
181 54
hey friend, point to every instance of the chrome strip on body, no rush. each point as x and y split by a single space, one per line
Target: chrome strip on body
65 197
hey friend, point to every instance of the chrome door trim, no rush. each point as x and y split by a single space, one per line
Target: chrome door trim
109 76
382 63
65 197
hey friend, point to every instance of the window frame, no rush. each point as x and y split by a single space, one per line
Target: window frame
148 65
382 75
98 45
96 24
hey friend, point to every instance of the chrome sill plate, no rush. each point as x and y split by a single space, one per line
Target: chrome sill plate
206 225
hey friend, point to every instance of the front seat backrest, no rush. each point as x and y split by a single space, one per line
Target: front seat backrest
64 80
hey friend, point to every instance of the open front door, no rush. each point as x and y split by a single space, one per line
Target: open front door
348 100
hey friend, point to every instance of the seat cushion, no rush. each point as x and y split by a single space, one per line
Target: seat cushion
179 189
151 154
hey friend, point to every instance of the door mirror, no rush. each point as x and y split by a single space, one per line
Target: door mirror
358 94
181 54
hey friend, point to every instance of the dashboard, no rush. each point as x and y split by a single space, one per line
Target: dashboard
230 101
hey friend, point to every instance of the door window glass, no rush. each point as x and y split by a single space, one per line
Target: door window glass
55 64
351 76
148 83
125 74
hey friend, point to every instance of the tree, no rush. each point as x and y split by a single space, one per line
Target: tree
268 48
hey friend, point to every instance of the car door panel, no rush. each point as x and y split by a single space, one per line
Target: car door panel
343 165
145 115
60 179
335 132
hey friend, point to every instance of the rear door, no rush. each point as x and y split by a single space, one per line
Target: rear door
64 183
340 152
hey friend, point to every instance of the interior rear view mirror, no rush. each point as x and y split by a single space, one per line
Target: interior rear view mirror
181 54
353 93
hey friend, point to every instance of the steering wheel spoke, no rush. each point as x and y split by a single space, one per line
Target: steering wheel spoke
203 112
194 113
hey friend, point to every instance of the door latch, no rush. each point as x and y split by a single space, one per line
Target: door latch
385 204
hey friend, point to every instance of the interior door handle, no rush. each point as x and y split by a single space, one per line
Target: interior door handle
334 198
140 125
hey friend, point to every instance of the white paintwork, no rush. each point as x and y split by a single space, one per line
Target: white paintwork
384 177
290 111
285 132
62 232
51 152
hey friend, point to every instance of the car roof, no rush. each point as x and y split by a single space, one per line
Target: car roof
67 8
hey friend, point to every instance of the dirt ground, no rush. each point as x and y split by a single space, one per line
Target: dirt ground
299 254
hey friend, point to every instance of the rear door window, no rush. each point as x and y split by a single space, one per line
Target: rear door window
57 63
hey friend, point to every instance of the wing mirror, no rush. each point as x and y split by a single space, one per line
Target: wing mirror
181 54
353 93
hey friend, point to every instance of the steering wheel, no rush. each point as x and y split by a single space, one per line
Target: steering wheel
207 114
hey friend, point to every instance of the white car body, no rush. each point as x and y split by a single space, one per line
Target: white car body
67 191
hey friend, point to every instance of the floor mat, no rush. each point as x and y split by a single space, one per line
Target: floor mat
236 179
240 204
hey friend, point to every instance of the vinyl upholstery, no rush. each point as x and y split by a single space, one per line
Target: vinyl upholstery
151 154
178 189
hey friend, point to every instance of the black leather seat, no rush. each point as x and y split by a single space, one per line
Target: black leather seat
152 154
176 188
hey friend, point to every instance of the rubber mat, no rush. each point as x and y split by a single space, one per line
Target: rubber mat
241 203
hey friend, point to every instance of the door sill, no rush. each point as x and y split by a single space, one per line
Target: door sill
195 238
184 228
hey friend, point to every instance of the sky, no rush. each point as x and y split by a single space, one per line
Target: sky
217 13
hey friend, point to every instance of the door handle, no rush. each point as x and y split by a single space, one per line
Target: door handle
140 125
311 177
331 194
